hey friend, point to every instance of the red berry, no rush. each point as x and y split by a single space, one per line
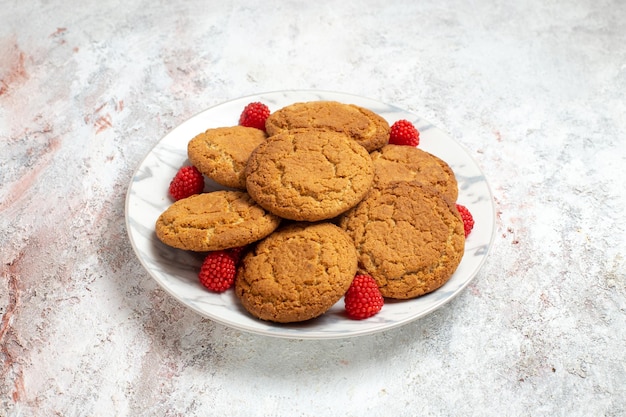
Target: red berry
363 298
403 132
218 270
254 115
236 253
187 181
468 219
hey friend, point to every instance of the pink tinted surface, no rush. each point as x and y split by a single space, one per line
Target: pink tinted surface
533 91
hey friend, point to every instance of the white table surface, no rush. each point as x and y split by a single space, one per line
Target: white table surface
535 91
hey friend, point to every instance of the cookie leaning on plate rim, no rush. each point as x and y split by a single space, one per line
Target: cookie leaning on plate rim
326 325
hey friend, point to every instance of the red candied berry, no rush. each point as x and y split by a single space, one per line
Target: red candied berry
403 132
236 253
254 115
468 219
187 182
218 270
363 299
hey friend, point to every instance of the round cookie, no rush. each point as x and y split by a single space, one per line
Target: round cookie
407 163
221 153
297 273
363 125
309 175
214 221
409 238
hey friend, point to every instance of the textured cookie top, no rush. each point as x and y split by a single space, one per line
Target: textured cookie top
407 163
363 125
309 175
213 221
408 237
297 273
222 153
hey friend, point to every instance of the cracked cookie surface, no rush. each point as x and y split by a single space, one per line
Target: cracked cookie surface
408 237
214 221
362 125
407 163
309 175
297 273
222 153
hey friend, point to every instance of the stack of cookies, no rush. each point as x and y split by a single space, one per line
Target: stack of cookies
318 197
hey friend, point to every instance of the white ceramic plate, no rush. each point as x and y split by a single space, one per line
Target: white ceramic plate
176 270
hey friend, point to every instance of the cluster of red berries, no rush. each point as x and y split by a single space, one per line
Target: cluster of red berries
219 268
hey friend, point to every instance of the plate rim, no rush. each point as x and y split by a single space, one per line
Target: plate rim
304 335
